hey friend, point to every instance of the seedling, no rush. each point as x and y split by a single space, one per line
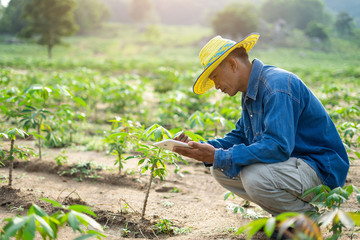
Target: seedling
21 153
123 132
153 158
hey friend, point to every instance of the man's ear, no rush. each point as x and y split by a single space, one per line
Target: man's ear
233 63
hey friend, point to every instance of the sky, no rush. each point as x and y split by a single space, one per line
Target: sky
5 2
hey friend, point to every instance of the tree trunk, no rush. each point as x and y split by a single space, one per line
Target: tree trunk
49 51
11 162
119 154
148 191
39 139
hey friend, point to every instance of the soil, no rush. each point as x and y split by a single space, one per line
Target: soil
190 200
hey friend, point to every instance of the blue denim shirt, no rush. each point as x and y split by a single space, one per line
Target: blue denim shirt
282 118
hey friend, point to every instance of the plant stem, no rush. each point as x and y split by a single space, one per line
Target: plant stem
39 139
119 154
11 163
148 191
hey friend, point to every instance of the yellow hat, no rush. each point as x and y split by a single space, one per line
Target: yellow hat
213 53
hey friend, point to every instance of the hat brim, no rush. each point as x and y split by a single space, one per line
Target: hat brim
203 83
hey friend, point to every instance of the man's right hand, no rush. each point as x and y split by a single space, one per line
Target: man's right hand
183 138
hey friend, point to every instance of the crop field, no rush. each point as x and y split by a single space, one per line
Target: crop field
92 113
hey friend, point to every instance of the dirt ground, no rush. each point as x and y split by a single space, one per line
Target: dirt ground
196 204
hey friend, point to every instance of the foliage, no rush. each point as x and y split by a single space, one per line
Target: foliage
344 23
154 158
15 151
123 132
37 220
11 21
82 170
328 210
327 213
51 20
297 13
316 30
303 227
164 225
235 20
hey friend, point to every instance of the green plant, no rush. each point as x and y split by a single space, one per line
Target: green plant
327 208
123 132
163 226
82 170
154 158
237 208
303 227
37 220
61 158
21 153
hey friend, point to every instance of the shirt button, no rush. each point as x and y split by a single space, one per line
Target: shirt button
251 115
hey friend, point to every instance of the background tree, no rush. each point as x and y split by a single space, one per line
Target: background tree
344 23
50 20
236 19
10 18
297 13
316 30
90 14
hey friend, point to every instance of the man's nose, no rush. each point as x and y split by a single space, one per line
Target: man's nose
217 86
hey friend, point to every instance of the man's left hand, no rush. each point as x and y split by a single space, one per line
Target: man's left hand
200 151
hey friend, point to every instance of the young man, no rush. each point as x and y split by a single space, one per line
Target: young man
284 141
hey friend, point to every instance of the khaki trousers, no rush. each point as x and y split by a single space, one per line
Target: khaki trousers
275 187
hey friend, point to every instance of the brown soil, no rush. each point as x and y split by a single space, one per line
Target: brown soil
197 204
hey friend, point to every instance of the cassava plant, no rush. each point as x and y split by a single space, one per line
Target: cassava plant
328 212
206 121
14 151
123 132
154 159
48 226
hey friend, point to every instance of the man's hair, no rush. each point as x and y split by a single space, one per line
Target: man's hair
239 53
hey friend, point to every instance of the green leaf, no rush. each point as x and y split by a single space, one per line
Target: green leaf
88 220
80 101
14 226
270 226
158 134
327 218
4 135
38 136
345 219
45 226
227 195
30 229
73 221
81 208
39 211
355 218
54 203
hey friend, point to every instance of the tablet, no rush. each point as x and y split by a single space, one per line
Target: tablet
170 143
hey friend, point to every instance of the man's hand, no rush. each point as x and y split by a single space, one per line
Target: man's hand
200 151
183 138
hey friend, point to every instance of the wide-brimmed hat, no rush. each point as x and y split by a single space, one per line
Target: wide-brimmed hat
213 53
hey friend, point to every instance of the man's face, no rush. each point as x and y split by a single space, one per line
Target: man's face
230 76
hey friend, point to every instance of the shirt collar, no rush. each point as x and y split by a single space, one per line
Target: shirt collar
253 84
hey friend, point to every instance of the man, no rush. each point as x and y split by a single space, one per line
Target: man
284 141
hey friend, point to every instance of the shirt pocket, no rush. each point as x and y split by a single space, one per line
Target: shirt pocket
258 126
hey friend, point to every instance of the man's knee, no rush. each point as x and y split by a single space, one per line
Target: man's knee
256 180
